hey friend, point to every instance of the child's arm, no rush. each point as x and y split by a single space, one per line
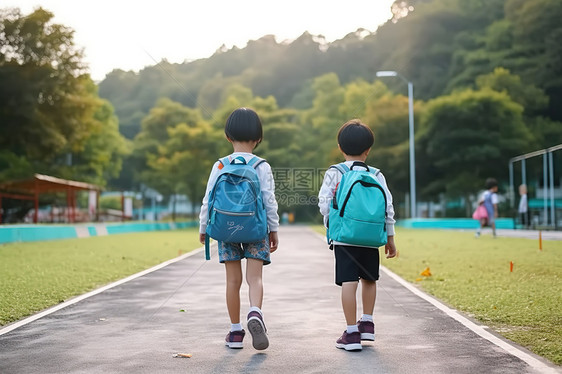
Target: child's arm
273 241
390 247
204 213
267 186
390 221
331 179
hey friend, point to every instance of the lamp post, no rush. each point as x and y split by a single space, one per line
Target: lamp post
387 73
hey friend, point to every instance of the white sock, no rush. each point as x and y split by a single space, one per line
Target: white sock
352 329
256 309
236 327
367 317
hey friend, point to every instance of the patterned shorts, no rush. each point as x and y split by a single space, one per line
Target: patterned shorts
238 251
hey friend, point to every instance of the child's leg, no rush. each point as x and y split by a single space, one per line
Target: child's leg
233 284
349 302
255 283
256 324
369 295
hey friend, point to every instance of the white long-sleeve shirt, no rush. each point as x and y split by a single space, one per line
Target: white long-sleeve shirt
267 186
327 192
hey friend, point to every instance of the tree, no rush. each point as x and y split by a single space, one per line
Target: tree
49 107
534 100
529 96
184 161
175 150
467 137
101 158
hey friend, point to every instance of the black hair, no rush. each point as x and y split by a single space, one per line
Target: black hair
355 138
491 183
244 125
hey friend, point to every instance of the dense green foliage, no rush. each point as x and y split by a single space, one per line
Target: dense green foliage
485 91
52 120
487 87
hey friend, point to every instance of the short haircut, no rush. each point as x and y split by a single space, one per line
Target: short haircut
355 138
244 125
491 183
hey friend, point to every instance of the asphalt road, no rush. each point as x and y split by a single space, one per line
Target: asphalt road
136 326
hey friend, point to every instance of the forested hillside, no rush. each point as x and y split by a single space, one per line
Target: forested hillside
441 46
487 78
487 85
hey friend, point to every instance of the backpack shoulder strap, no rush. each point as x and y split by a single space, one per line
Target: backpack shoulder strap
341 167
374 170
236 160
207 247
224 160
256 161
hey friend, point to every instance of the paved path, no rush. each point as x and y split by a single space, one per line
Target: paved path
531 234
526 234
135 327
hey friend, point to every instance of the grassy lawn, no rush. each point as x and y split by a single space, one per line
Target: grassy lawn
473 275
34 276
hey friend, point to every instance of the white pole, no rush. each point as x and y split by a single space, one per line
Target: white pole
544 175
511 190
412 152
388 73
523 172
551 169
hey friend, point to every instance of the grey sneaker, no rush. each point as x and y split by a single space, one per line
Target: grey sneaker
257 330
234 339
350 342
367 330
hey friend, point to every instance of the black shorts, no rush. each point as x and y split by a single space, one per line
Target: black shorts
354 263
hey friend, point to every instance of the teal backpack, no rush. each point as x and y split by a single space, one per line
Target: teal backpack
236 210
358 209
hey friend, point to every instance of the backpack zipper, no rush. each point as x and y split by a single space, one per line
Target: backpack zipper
238 214
365 184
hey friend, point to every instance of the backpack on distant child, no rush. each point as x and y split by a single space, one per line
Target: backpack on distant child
236 210
358 210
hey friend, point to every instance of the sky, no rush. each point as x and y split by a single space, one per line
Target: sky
129 35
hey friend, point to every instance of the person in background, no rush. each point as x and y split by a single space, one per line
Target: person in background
523 208
490 198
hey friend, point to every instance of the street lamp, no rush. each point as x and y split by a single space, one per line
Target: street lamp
387 73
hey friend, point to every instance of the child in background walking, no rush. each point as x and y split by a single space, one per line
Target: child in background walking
244 131
353 263
490 198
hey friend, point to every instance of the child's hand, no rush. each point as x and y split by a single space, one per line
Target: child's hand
390 248
202 238
273 241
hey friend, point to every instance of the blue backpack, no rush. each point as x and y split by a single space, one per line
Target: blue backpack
358 210
236 210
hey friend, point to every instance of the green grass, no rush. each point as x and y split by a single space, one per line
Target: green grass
34 276
473 275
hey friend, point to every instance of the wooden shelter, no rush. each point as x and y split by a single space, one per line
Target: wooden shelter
32 188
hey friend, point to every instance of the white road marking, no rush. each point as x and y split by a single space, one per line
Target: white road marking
533 362
77 299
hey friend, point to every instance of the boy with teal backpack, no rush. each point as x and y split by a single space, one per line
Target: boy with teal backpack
358 213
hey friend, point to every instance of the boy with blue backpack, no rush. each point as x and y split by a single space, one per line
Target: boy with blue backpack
239 210
358 213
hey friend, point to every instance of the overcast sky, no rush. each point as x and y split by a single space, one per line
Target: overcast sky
130 35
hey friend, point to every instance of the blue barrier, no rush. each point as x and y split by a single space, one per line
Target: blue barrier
451 223
30 233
